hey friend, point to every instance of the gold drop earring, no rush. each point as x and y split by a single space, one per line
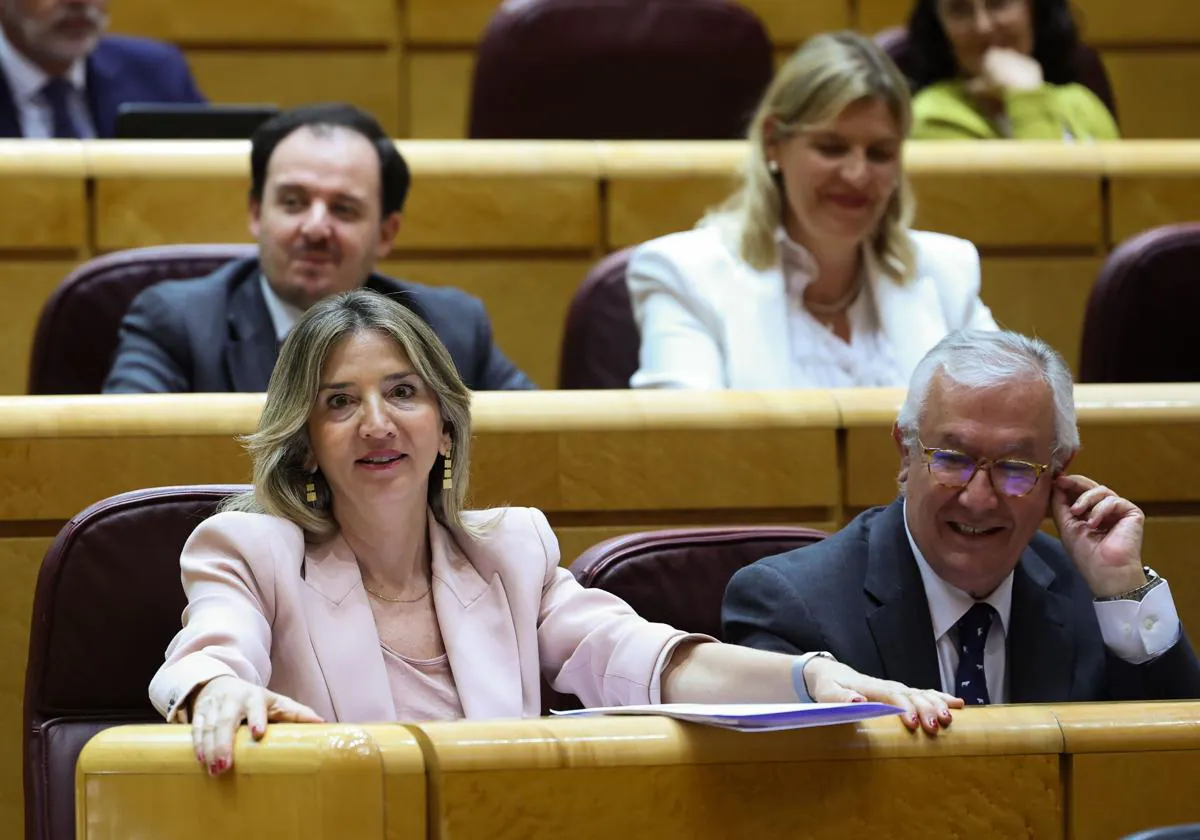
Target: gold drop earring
447 482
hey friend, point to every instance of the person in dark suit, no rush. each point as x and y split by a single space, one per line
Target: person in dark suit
62 77
327 190
952 586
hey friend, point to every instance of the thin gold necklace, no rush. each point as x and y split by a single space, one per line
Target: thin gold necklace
383 597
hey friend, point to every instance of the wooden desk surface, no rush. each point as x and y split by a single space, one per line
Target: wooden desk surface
650 777
299 782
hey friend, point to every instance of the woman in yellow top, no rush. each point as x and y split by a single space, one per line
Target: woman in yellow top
993 69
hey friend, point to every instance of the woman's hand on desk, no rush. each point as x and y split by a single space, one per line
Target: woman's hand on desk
829 681
219 709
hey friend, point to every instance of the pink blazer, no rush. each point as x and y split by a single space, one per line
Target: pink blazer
266 607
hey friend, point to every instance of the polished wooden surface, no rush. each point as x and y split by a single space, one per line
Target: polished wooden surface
1082 771
651 778
290 22
1130 766
520 223
299 782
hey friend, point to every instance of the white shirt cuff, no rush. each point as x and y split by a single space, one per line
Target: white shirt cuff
1139 631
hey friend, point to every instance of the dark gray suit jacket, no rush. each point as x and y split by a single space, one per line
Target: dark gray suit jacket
214 334
859 595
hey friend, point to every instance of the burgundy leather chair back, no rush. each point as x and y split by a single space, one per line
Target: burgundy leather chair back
77 332
619 70
108 602
679 576
1088 64
1142 319
601 340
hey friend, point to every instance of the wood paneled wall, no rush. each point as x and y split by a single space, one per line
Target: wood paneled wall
519 224
411 61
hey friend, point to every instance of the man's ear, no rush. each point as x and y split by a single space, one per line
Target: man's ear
254 211
1067 462
388 230
905 453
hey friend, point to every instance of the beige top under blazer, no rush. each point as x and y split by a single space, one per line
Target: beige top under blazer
266 607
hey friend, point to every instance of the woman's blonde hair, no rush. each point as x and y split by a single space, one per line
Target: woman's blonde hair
824 76
280 448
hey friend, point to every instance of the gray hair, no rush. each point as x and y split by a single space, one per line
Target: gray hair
982 359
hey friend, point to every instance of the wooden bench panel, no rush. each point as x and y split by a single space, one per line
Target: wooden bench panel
1148 455
643 208
527 301
134 212
20 560
313 782
439 93
501 213
1013 209
264 22
789 23
45 195
1156 21
1140 202
1152 91
514 197
1130 766
646 778
1042 296
430 22
460 23
24 288
875 15
371 79
1169 547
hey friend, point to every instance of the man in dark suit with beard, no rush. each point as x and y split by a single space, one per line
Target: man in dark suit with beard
327 190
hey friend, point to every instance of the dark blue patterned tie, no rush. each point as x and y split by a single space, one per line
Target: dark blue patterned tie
970 682
58 94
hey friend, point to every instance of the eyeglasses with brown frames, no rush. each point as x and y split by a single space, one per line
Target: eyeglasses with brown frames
1010 477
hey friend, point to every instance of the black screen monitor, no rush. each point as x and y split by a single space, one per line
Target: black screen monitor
155 121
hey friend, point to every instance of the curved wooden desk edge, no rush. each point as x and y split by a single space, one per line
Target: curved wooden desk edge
495 411
547 743
1129 727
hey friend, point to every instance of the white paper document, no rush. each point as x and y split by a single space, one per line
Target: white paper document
753 717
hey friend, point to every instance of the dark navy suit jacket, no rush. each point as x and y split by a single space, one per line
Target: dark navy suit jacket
119 70
859 595
214 334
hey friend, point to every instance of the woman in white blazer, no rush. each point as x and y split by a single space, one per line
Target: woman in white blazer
808 275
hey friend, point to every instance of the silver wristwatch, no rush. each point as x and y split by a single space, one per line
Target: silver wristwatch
1153 579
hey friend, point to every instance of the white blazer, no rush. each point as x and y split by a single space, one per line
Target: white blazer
710 321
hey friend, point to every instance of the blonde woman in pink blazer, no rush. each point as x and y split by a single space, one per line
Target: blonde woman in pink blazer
350 585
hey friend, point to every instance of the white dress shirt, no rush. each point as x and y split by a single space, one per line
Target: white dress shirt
1136 631
819 358
26 80
283 314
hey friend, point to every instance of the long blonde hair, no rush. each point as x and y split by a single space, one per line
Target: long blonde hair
280 449
824 76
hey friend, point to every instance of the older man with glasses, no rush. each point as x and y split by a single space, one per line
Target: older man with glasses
952 586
